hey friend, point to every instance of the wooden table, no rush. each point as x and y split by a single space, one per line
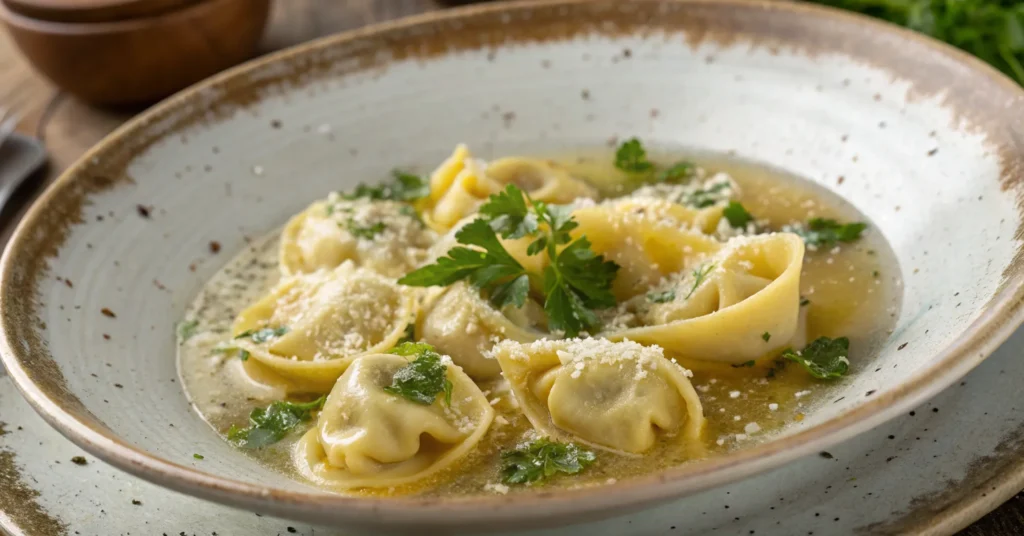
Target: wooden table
69 127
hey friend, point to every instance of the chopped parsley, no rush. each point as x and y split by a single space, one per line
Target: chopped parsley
804 301
243 355
744 364
737 215
422 379
260 336
187 329
492 269
632 158
228 349
409 335
538 460
661 297
403 187
707 197
827 232
679 172
368 232
575 282
199 456
269 425
699 275
766 336
824 358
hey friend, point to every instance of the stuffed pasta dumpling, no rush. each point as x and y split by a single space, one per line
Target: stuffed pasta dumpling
541 180
310 327
738 304
368 436
464 326
647 239
619 396
385 236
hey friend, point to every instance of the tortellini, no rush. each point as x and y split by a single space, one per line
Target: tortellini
618 396
462 325
367 437
310 326
722 307
385 236
648 239
461 184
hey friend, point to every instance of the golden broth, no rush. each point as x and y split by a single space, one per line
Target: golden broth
853 291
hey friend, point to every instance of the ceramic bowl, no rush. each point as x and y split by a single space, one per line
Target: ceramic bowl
925 140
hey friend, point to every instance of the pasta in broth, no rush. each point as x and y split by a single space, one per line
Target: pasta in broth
497 326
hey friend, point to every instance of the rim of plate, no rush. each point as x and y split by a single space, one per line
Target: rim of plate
1000 317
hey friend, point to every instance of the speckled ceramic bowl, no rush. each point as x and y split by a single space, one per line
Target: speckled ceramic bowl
926 141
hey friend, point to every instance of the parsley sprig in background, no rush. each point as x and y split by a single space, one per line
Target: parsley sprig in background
575 282
992 30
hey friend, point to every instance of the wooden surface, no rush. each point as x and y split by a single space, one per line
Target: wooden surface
69 127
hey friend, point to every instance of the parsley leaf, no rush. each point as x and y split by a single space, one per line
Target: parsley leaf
699 275
199 456
269 425
679 172
403 187
632 158
368 232
826 232
493 269
766 336
744 364
262 335
661 297
824 358
576 281
737 215
424 378
541 459
704 198
187 329
508 213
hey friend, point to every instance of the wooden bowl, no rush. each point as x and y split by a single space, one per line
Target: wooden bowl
139 60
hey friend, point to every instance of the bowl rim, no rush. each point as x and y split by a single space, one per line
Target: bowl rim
183 13
998 319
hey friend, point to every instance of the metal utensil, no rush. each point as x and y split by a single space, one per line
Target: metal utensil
20 156
8 121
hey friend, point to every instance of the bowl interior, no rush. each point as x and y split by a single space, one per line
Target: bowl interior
924 141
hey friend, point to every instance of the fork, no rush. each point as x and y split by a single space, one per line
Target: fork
8 120
20 156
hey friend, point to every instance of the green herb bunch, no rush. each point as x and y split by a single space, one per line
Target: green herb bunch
992 30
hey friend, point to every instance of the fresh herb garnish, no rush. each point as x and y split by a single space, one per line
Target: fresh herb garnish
804 301
826 232
676 173
766 336
992 30
260 336
403 187
368 232
699 275
409 335
661 297
541 459
187 329
422 379
744 364
269 425
243 355
199 456
737 215
824 358
493 269
229 349
576 280
632 158
704 198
